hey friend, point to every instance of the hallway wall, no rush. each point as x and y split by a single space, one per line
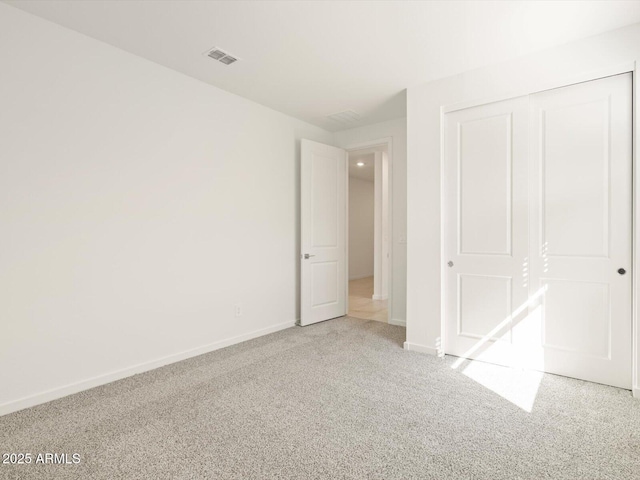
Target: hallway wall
361 228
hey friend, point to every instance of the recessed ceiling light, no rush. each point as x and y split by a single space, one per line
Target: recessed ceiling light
360 164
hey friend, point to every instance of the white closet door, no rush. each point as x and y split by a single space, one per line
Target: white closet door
486 233
581 197
538 231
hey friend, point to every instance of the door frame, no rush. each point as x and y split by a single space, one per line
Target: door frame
388 143
629 67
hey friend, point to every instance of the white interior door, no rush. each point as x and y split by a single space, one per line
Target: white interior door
581 197
323 236
538 203
486 235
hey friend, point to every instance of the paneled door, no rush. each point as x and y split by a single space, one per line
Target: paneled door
538 232
323 232
486 234
581 198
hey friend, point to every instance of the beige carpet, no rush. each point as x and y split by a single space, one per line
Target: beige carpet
340 399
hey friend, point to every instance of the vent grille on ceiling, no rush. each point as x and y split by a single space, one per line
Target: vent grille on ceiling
344 118
222 56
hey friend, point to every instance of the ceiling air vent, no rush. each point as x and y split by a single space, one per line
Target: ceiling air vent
344 118
221 56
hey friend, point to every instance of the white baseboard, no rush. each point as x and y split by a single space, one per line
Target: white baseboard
636 392
421 348
53 394
379 297
395 321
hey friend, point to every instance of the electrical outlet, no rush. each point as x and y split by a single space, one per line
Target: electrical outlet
238 310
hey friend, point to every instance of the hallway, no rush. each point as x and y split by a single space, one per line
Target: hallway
360 303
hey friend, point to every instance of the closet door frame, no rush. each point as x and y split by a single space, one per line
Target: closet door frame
630 67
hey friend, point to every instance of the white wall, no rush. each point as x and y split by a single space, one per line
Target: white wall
397 129
361 228
138 206
577 61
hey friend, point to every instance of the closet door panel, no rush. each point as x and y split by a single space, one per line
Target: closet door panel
581 228
486 237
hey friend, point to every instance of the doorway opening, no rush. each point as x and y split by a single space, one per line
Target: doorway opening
368 233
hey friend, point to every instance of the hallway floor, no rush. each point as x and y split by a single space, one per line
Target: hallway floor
361 304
